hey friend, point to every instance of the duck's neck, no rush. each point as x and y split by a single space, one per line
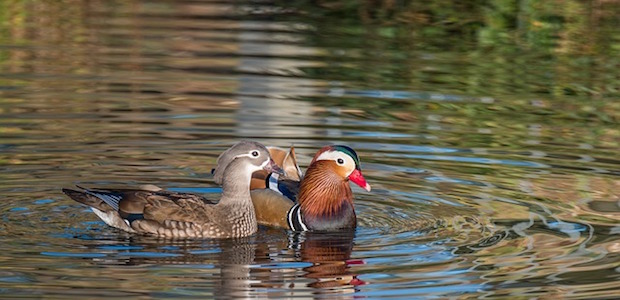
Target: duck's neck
236 186
324 194
236 203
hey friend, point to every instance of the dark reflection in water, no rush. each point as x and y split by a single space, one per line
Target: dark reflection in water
330 255
487 130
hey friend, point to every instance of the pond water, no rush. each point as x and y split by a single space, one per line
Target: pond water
489 133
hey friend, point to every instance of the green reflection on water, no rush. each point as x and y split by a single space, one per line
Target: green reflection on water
480 47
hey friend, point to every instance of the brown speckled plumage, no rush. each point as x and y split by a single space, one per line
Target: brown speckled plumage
183 215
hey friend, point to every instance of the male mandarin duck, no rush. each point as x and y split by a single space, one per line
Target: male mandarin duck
170 214
324 200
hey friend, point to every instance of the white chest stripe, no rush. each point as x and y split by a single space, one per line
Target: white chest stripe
301 222
294 216
289 218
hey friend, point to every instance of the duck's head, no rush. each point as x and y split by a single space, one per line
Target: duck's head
343 161
248 156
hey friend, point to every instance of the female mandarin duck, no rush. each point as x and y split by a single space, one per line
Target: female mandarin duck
170 214
324 197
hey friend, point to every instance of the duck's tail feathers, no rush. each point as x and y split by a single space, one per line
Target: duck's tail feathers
99 199
103 203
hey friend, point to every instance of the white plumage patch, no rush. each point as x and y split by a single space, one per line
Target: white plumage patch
113 219
348 162
104 216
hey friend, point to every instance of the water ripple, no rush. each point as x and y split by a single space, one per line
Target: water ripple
486 183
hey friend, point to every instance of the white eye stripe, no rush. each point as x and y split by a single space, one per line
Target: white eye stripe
249 154
328 155
335 156
252 167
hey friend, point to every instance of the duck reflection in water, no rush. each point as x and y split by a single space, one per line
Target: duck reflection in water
243 267
329 253
223 267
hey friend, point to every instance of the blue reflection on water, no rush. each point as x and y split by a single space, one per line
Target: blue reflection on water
148 254
376 134
16 209
405 148
169 248
15 279
422 198
205 251
453 180
120 247
387 94
73 254
43 201
393 290
567 227
486 161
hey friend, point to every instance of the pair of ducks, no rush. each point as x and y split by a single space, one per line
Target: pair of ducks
255 190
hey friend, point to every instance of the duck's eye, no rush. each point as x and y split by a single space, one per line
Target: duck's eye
255 153
340 161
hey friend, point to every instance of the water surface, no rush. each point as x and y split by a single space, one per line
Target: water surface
489 134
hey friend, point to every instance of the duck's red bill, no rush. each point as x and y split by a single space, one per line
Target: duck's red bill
359 179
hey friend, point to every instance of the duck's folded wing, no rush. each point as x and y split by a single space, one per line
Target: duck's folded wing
287 161
271 208
165 205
